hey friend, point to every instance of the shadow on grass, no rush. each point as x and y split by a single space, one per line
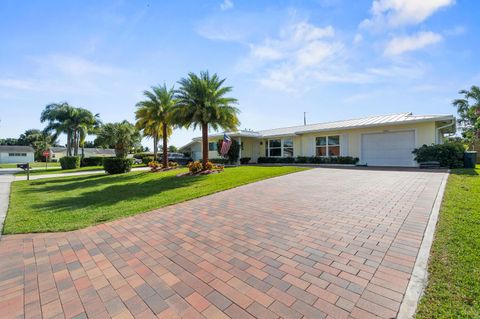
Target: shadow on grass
121 188
465 171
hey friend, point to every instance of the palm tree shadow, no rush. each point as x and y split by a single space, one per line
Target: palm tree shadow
75 182
113 194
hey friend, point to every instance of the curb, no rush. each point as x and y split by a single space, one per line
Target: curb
419 278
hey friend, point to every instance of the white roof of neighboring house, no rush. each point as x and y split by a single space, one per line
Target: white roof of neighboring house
98 151
16 148
379 120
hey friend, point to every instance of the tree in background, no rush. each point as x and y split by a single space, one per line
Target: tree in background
122 136
75 122
40 141
172 149
154 117
202 103
468 109
9 141
59 117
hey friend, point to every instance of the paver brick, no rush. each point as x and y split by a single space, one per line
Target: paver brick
344 248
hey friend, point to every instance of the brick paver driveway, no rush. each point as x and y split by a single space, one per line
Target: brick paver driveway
315 244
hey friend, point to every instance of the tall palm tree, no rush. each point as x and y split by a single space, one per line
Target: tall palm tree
84 122
60 120
201 102
468 109
154 117
122 136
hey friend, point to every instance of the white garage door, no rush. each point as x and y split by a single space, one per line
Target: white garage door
388 149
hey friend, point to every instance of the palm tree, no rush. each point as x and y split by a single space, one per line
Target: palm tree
60 120
122 136
201 102
154 117
84 122
469 113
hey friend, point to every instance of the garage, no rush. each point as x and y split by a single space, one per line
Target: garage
388 148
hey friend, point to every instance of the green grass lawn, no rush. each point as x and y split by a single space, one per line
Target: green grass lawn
73 202
34 164
59 170
453 289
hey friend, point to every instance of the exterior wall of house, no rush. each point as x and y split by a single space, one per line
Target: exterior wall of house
6 158
350 140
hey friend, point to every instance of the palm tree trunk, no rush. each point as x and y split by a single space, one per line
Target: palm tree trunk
204 144
75 142
165 141
155 146
69 139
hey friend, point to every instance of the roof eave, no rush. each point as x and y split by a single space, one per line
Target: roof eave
444 118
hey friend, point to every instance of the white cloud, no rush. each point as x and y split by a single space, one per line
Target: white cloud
400 45
16 84
301 51
358 38
395 13
226 4
74 65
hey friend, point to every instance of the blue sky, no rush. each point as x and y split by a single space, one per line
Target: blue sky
334 59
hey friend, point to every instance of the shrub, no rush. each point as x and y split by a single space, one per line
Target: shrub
91 161
448 155
219 160
147 159
172 164
208 166
70 162
245 160
195 167
117 165
310 160
154 166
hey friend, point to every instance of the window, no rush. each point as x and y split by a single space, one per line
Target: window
17 154
212 146
280 148
328 145
287 147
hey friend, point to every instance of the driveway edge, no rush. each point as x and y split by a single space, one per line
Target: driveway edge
419 278
5 185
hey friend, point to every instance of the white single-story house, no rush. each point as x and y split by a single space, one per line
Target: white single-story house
16 154
386 140
57 152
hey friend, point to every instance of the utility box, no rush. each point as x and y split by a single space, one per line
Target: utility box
469 159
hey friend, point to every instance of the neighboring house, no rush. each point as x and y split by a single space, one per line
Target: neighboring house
16 154
57 152
386 140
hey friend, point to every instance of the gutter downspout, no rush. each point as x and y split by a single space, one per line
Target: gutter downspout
437 138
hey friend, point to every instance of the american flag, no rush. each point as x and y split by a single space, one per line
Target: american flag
227 142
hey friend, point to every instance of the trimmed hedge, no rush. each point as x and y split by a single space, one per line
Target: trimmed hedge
448 155
147 159
219 161
117 165
310 160
92 161
245 160
70 162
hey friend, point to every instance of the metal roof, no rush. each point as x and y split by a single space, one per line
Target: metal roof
16 148
393 119
379 120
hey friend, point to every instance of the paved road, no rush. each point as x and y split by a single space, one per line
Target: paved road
315 244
